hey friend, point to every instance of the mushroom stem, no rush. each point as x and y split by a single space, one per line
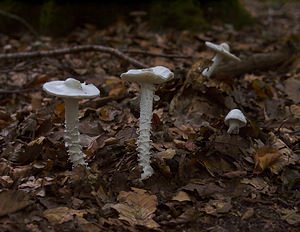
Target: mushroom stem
144 146
234 127
216 61
72 139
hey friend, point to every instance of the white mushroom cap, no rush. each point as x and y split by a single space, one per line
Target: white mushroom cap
71 88
222 49
154 75
237 116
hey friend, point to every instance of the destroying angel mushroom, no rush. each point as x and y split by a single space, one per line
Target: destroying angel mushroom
235 119
147 78
71 90
222 52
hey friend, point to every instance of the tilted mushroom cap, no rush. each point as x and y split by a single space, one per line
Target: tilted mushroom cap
154 75
222 49
71 88
236 115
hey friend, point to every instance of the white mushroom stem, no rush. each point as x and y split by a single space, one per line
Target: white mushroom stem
144 146
234 127
216 61
72 139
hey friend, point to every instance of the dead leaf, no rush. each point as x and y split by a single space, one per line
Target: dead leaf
181 196
108 113
215 207
188 215
292 89
287 156
248 214
167 154
12 201
291 216
258 183
295 110
264 158
137 207
60 215
203 190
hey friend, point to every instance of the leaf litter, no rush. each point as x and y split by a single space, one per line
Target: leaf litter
204 178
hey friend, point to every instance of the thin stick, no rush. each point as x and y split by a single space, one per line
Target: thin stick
175 56
16 91
75 49
20 20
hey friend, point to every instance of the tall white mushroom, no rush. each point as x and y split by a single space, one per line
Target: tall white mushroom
222 52
235 119
147 78
71 91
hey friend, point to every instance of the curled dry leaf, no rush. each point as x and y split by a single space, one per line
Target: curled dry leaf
287 156
264 158
137 207
181 196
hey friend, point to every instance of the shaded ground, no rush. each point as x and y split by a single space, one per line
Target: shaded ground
205 180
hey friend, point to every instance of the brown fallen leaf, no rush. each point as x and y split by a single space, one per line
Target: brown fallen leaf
264 158
137 207
292 87
248 214
291 216
108 113
181 196
62 214
287 156
11 201
188 215
203 190
215 207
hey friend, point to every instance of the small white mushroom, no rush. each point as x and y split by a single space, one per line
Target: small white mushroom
222 52
147 78
235 119
71 91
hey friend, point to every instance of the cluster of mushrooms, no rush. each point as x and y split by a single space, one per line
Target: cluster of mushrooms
72 90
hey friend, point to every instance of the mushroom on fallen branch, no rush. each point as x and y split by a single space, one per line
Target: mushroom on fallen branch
222 52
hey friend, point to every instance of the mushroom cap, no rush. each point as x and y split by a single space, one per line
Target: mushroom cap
71 88
222 49
154 75
237 115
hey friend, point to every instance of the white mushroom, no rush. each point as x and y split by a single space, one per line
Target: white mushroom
147 78
235 119
223 51
71 91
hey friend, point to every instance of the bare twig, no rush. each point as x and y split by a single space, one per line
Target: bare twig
75 49
16 91
20 20
175 56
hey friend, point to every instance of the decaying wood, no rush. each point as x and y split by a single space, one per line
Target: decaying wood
75 49
254 63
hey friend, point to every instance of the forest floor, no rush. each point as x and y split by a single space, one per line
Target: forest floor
204 180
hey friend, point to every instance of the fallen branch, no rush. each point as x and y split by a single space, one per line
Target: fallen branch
16 91
254 63
76 49
20 20
175 56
